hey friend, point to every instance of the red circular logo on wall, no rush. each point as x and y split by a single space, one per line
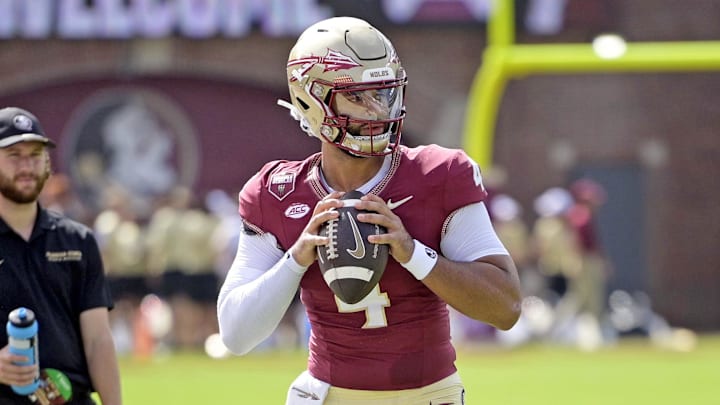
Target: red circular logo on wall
133 139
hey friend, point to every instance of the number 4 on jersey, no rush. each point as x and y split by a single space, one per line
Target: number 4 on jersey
373 304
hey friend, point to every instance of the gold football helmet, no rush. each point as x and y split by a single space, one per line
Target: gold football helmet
347 86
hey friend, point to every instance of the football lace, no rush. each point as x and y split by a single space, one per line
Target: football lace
331 248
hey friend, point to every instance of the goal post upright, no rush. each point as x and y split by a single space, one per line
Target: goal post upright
503 60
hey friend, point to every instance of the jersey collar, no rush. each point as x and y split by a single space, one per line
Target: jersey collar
43 222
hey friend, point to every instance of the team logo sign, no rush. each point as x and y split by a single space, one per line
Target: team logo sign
132 139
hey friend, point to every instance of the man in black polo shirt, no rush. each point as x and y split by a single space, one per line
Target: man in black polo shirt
51 265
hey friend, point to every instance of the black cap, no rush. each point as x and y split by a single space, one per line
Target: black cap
18 125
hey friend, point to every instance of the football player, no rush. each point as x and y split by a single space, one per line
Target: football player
347 89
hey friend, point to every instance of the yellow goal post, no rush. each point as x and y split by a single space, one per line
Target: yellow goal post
503 60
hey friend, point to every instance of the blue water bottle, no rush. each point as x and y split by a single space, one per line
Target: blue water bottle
22 331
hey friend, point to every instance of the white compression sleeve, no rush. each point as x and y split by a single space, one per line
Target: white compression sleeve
470 235
252 300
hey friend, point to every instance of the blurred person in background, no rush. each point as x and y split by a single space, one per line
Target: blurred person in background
121 238
51 265
347 86
568 253
589 196
554 245
587 286
182 257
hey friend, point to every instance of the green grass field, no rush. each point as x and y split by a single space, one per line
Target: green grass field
632 372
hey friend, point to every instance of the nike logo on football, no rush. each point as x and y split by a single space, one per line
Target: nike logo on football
394 204
305 394
359 251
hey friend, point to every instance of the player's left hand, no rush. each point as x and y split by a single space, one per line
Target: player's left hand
400 241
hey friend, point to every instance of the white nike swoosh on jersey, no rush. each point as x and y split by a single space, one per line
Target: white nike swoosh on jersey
392 205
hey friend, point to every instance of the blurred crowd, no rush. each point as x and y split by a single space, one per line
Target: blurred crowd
165 262
564 272
560 258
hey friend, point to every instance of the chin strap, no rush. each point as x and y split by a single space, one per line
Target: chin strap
295 113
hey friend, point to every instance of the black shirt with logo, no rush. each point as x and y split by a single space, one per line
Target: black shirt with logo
57 274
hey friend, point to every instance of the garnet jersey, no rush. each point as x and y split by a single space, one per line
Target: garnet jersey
398 337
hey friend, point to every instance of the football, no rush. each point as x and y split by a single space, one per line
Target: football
350 265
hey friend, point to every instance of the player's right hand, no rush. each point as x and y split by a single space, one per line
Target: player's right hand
304 251
13 374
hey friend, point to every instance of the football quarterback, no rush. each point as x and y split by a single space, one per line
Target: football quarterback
346 87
